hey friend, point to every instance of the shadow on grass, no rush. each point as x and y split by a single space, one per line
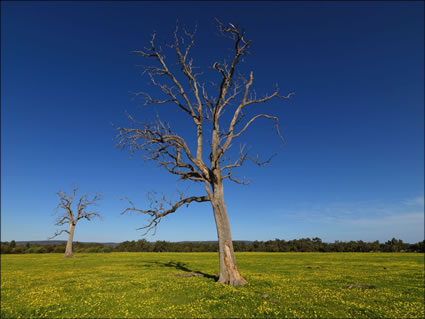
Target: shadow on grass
182 266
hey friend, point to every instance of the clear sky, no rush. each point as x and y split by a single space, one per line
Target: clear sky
353 164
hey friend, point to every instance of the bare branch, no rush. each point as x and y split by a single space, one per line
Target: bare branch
269 97
239 162
274 118
160 143
187 69
182 50
62 220
168 90
84 203
245 102
243 156
158 210
236 180
152 52
227 72
65 203
58 232
257 161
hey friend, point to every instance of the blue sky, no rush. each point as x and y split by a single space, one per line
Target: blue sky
353 164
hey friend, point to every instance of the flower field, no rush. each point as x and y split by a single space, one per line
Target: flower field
300 285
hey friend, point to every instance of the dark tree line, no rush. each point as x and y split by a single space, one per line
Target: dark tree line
277 245
13 248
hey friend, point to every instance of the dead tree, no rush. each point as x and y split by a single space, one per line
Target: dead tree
69 217
158 142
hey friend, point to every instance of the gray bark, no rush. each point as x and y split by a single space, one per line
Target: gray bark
68 250
229 272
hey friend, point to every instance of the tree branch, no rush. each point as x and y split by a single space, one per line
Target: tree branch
240 46
62 220
157 208
83 203
58 232
276 120
164 71
237 115
243 156
156 141
65 203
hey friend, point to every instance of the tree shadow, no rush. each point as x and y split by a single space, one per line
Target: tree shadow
182 266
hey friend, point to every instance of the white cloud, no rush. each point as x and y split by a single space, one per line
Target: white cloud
366 220
394 221
417 201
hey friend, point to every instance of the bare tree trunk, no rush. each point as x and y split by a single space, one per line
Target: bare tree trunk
68 250
229 273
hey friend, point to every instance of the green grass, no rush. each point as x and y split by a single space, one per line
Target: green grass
144 285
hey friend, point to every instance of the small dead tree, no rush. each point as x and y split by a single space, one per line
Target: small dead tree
69 217
158 142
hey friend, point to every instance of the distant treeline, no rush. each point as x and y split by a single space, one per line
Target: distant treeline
277 245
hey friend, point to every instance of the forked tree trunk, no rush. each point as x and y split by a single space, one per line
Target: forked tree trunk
229 273
68 250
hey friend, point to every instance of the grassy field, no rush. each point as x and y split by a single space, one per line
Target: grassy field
145 285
